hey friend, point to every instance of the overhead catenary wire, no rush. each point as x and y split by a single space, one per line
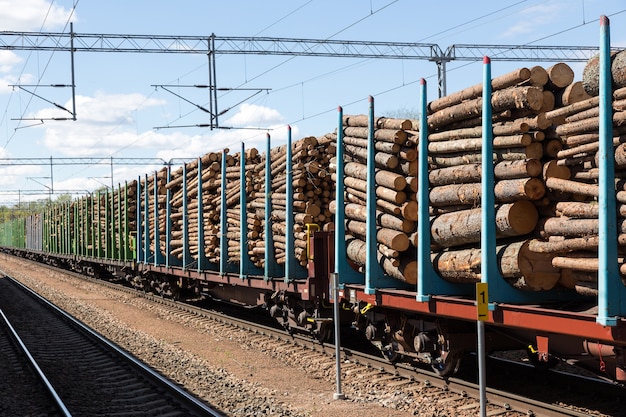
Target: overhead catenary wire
67 23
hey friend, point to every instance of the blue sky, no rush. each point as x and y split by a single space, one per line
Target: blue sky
118 108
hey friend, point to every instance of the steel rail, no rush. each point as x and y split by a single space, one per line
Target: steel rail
33 363
197 405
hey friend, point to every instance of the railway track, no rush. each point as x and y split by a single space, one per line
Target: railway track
85 373
361 368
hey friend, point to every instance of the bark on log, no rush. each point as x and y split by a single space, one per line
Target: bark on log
513 127
473 172
505 191
474 144
523 268
358 212
532 151
391 238
464 227
503 81
510 98
382 177
566 245
568 186
559 76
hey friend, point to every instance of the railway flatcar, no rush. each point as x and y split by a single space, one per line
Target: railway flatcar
421 236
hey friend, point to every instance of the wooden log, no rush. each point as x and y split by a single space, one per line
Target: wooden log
382 177
382 159
392 136
359 212
510 98
523 268
473 172
569 186
565 245
405 271
559 76
505 191
362 120
532 151
591 74
571 94
538 76
393 196
503 81
561 226
552 169
475 144
513 127
393 239
576 209
388 147
464 227
589 125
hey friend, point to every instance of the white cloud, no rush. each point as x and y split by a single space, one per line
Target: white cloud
33 15
535 17
252 115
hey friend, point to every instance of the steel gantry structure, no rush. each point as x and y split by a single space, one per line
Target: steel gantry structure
213 45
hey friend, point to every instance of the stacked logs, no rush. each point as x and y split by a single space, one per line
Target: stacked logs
312 192
570 232
523 151
395 159
110 223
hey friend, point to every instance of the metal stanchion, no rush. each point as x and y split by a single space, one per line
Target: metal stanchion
335 279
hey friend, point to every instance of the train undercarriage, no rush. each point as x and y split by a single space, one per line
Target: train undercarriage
399 335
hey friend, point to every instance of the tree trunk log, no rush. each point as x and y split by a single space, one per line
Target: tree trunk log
510 98
504 81
463 227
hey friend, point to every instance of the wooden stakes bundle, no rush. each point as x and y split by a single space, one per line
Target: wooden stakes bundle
570 228
312 192
395 187
523 150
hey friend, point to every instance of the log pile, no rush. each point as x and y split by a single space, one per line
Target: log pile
395 188
312 192
570 230
524 146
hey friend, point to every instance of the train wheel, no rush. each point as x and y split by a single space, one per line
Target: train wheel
326 332
450 363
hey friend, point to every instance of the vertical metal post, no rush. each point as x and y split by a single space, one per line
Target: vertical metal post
72 64
213 84
146 224
186 252
289 222
127 255
338 395
488 266
120 232
155 214
425 270
243 218
223 223
340 230
270 259
610 287
201 255
168 220
373 271
139 239
345 274
441 78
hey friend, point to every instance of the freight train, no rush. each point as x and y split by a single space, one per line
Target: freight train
422 239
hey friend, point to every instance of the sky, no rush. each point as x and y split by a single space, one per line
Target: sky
122 112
